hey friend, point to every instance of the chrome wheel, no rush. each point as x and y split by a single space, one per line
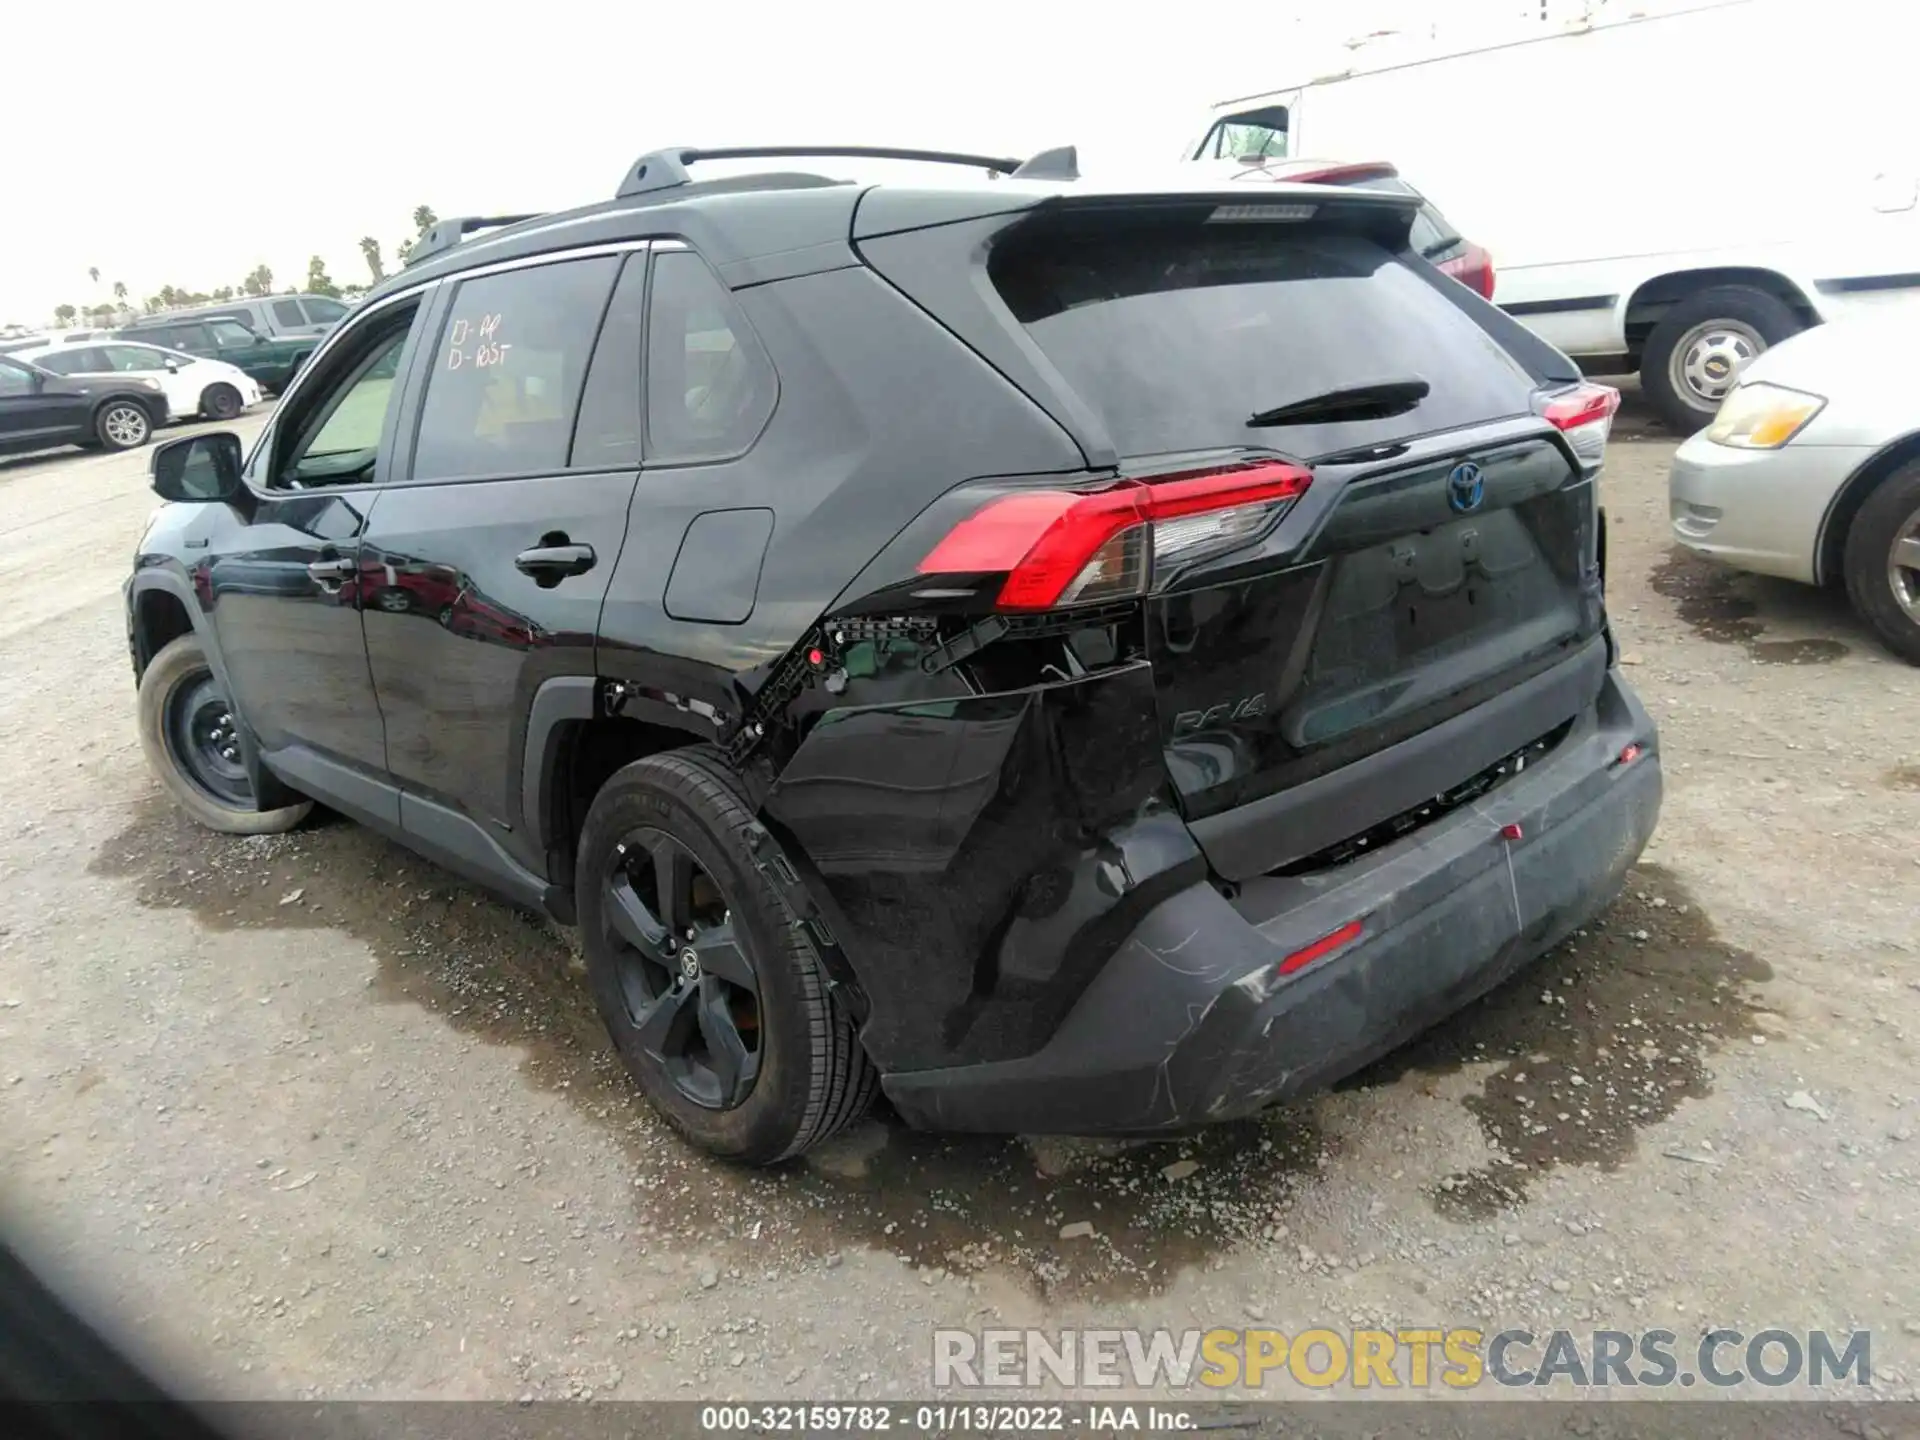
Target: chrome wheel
684 973
1903 567
125 426
1709 358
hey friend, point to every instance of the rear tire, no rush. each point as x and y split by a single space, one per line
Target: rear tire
122 425
809 1076
1694 355
220 402
1886 592
192 749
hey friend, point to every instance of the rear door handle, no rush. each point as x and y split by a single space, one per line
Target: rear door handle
332 569
554 561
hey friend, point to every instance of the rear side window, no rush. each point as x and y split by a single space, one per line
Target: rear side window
288 312
508 370
64 362
710 387
607 436
1179 334
324 311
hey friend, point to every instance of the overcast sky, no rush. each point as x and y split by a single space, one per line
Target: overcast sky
183 142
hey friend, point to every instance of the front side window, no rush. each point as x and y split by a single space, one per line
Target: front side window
508 369
288 312
343 414
1261 133
134 359
229 334
15 379
710 386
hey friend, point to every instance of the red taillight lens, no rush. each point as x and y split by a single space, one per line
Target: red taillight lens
1065 547
1323 947
1584 414
1473 267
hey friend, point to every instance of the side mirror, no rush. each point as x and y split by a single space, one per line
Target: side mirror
173 367
198 469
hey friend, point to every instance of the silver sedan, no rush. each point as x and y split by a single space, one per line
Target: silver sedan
1811 471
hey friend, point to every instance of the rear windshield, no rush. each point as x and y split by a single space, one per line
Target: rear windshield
1178 335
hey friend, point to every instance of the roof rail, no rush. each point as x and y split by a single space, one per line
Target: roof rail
448 233
664 169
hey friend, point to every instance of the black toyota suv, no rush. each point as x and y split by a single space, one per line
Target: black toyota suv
1075 659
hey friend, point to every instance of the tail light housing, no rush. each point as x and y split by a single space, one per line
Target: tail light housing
1584 414
1473 268
1080 547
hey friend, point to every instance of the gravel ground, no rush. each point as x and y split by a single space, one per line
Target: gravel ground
314 1119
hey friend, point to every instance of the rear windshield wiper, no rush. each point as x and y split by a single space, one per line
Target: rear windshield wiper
1355 402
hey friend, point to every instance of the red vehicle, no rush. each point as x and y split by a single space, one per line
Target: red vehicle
1436 239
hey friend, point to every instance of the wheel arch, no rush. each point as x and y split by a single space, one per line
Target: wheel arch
573 745
161 607
160 610
1830 546
1654 296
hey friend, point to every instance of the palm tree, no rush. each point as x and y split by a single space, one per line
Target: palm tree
424 219
93 273
370 250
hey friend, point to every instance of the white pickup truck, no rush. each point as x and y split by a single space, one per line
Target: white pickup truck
1667 192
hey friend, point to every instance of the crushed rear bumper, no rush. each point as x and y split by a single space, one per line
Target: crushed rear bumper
1190 1021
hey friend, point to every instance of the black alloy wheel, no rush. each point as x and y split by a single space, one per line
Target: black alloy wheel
684 973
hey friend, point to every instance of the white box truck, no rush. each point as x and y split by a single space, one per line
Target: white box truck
1665 191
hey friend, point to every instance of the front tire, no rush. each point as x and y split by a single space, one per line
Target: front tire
187 728
220 402
1882 562
1696 352
707 983
122 425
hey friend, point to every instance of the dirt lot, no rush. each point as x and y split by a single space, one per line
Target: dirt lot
317 1120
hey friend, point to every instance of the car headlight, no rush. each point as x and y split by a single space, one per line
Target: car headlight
1762 416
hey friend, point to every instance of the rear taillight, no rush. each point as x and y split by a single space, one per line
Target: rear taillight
1473 268
1584 414
1069 547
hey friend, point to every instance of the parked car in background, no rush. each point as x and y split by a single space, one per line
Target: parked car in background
270 360
1691 269
1811 471
194 387
1210 692
41 411
286 315
1434 236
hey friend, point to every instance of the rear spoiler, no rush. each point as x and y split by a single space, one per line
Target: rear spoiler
890 210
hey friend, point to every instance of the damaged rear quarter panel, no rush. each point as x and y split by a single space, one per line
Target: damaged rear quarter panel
982 857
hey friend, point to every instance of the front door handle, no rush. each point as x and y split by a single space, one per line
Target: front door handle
550 562
332 569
